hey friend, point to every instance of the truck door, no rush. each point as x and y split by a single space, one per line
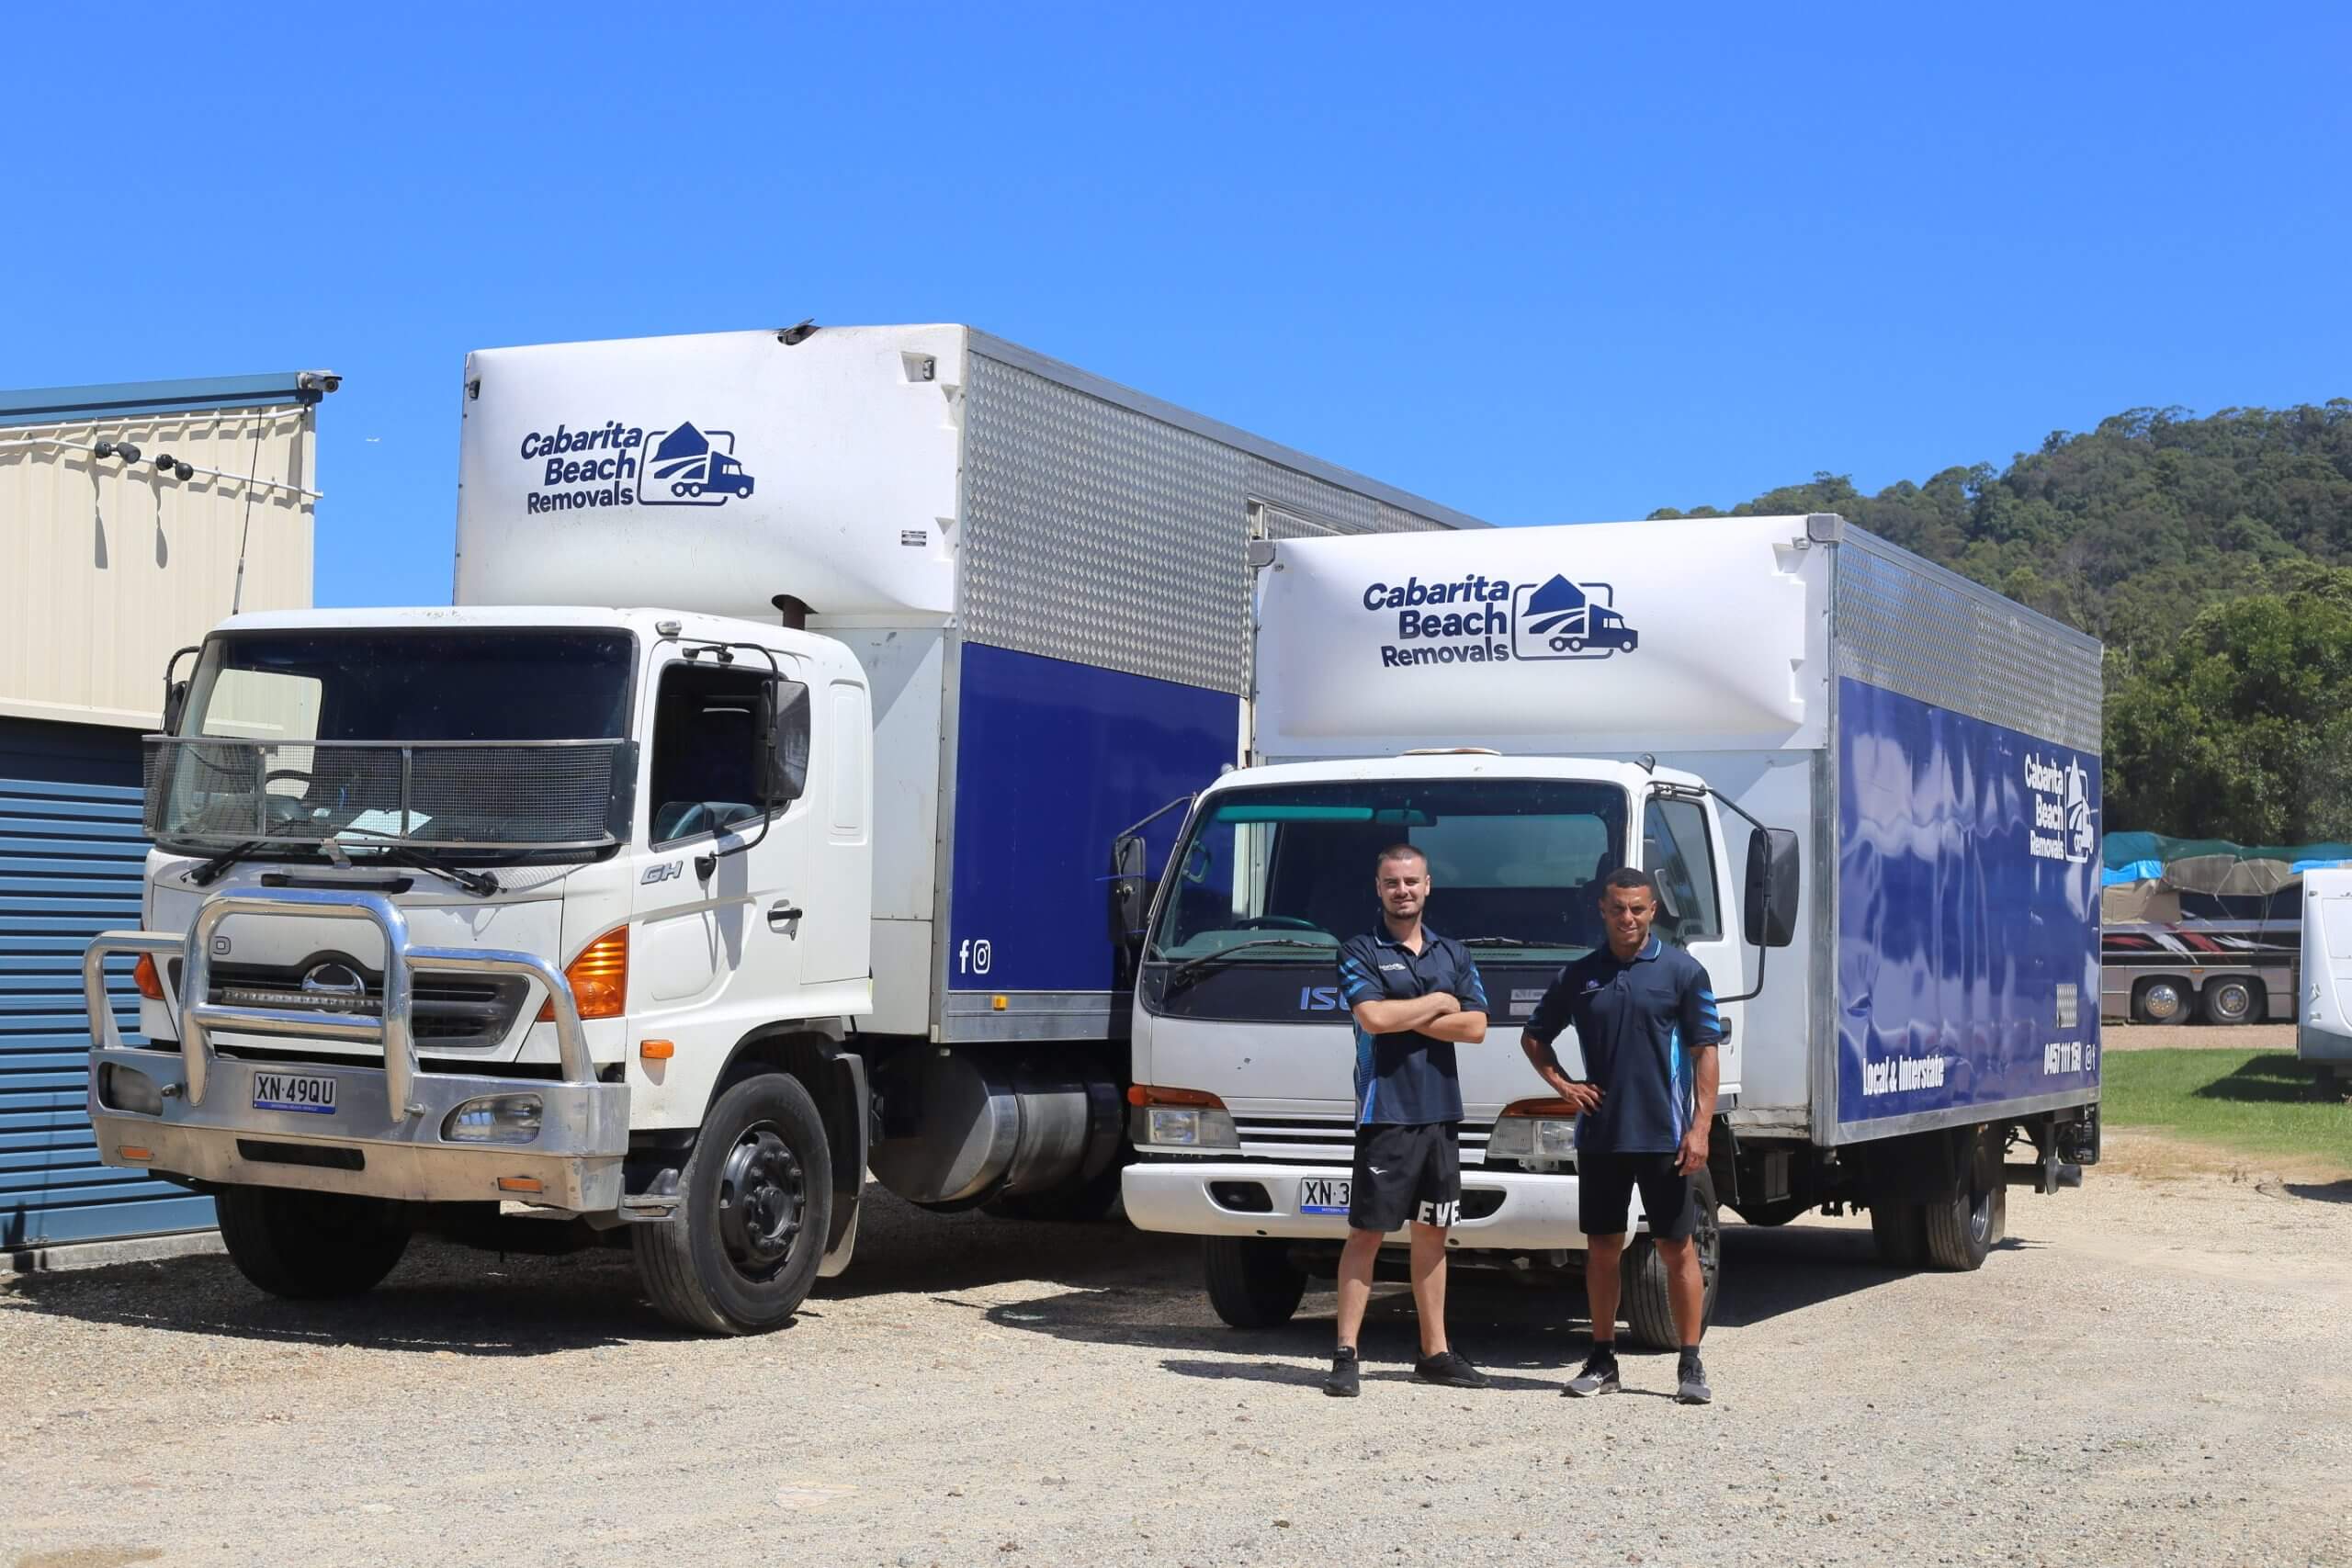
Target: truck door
718 918
1682 848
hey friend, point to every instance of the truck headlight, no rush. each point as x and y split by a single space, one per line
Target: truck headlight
1534 1130
128 1088
495 1118
1182 1119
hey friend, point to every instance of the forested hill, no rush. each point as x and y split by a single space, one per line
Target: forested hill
2213 557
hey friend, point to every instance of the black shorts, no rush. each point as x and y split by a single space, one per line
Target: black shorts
1404 1173
1605 1184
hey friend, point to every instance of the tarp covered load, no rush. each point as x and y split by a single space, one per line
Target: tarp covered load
2215 867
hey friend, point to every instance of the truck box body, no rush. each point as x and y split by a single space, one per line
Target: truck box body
1935 747
1043 574
2323 1025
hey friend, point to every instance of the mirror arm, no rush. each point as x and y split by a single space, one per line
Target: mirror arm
724 652
1763 953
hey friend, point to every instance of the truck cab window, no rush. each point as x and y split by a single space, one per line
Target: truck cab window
705 751
1675 851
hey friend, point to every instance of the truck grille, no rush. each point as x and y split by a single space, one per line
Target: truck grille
446 1010
1330 1139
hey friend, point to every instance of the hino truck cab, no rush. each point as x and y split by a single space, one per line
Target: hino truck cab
472 920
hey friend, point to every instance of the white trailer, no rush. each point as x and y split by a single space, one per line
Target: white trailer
2323 1022
1869 789
539 922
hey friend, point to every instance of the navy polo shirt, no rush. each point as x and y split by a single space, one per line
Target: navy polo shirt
1407 1077
1638 1022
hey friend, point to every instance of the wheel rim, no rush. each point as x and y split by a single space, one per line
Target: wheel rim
762 1199
2162 1003
1708 1236
1980 1221
2232 1000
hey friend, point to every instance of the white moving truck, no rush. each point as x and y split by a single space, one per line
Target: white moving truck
537 924
1869 790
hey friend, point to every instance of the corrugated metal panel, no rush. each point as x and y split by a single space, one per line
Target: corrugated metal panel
70 858
106 567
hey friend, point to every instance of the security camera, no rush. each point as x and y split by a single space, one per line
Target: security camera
126 451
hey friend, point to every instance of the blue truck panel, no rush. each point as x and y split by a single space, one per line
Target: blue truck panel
1053 760
1967 905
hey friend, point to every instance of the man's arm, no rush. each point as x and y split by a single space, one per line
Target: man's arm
1551 1017
1467 1025
1463 1028
1402 1014
1701 1030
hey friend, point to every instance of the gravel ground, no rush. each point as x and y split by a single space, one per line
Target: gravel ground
2151 1371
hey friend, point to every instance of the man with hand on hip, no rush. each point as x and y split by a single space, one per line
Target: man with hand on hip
1413 995
1644 1015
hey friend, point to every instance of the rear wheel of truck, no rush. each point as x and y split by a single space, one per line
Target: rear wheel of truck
757 1202
1253 1281
2232 1000
310 1245
1961 1228
2160 1001
1901 1231
1643 1297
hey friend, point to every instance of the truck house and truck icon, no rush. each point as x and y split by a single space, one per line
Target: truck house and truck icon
1560 619
696 470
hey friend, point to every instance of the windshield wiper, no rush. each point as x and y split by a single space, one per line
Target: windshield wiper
482 884
211 871
1184 974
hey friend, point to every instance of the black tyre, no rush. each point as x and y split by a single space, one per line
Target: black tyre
1961 1229
310 1245
1642 1298
1251 1280
2231 1000
2161 1001
757 1202
1901 1231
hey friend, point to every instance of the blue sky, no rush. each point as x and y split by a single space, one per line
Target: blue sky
1542 265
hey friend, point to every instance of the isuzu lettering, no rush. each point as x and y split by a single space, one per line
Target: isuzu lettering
539 922
1869 791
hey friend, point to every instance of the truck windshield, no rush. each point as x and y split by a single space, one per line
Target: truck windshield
377 684
400 741
1512 861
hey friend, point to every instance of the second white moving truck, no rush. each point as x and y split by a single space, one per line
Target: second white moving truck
1869 790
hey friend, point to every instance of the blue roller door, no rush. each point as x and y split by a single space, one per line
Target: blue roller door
71 853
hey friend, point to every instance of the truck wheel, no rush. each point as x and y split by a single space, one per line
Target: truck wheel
1576 645
2160 1001
2232 1002
1642 1298
310 1245
1961 1229
1901 1231
1252 1283
756 1205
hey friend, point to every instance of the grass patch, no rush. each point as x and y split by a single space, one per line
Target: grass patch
2258 1103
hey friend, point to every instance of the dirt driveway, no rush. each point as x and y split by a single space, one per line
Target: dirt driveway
2153 1370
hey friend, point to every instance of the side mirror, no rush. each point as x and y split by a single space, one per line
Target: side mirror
1130 890
175 704
1770 907
783 740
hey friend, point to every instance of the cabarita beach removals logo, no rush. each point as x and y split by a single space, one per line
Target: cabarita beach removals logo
627 465
1483 620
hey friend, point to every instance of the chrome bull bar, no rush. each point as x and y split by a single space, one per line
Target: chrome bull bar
199 1018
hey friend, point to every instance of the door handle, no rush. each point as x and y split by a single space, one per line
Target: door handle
783 912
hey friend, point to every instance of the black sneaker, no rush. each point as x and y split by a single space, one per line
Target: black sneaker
1450 1371
1598 1377
1343 1382
1692 1383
